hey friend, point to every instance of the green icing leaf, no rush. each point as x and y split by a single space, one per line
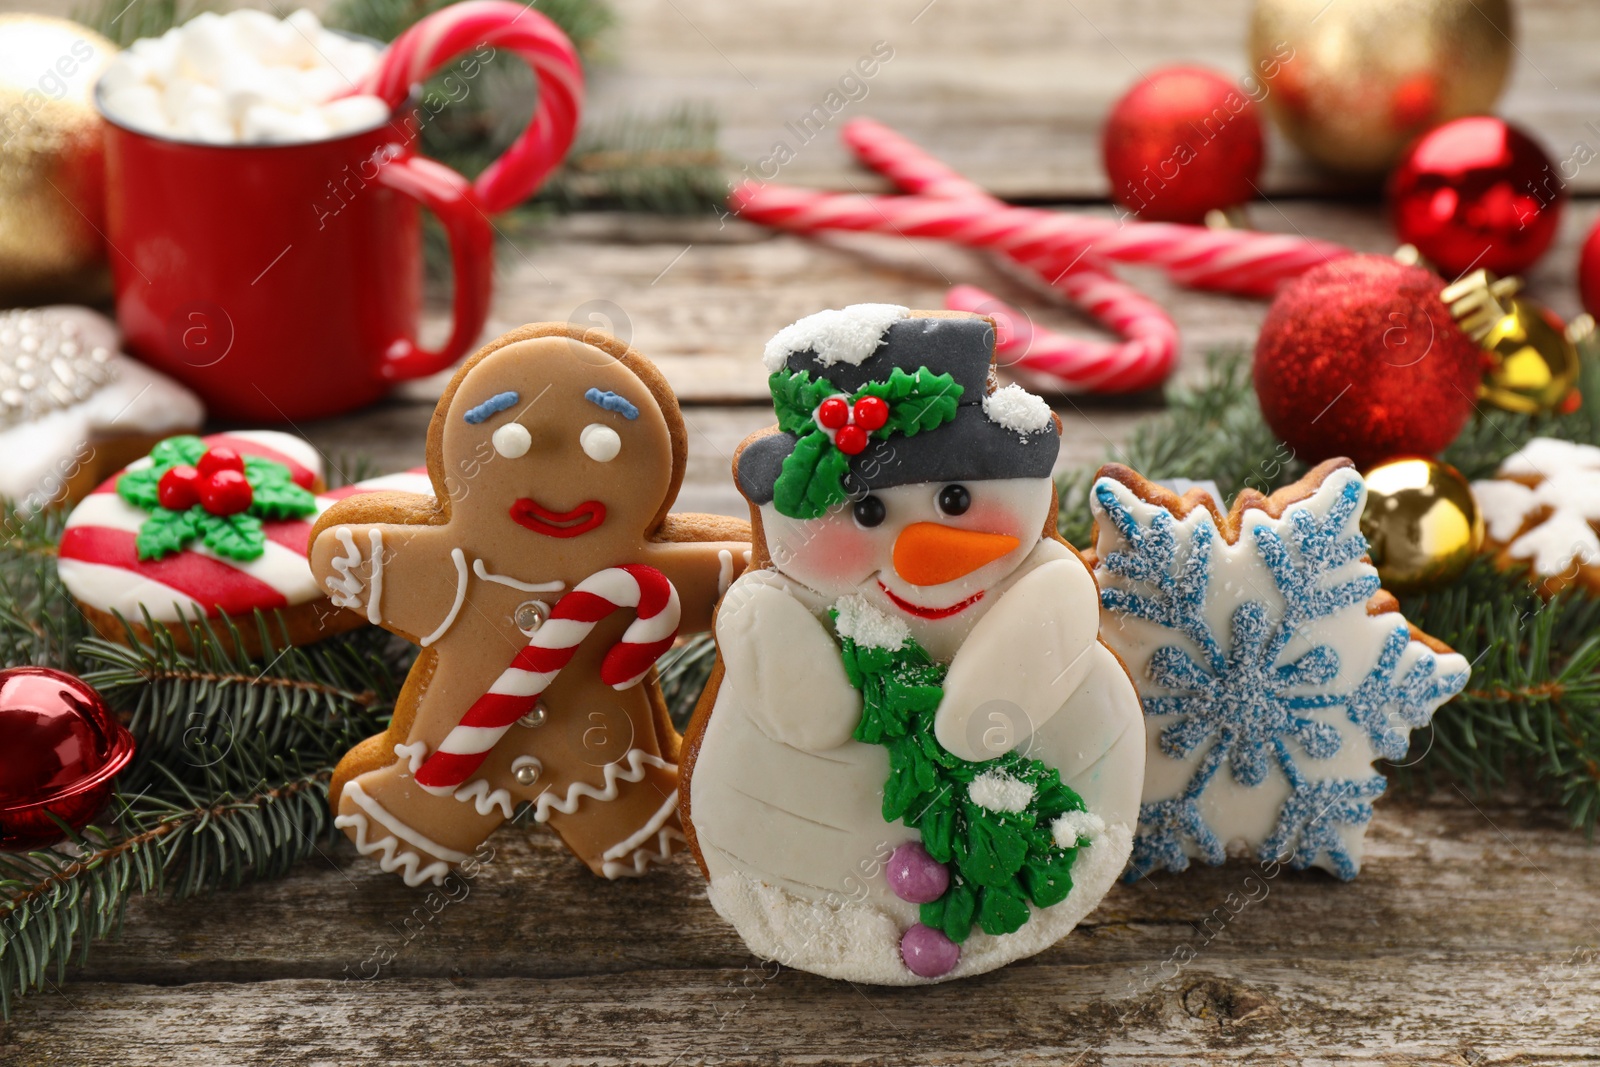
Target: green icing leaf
234 536
1002 909
141 488
1048 879
990 852
952 913
917 402
186 449
795 398
280 499
164 532
812 478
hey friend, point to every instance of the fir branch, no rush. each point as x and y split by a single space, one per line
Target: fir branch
666 164
682 673
125 21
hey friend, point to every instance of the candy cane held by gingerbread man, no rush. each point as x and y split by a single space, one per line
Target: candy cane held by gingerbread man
541 583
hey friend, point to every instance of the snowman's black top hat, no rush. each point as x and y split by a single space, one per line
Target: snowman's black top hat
1012 436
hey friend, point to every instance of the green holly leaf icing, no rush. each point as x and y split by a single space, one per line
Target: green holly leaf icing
280 498
812 478
186 449
165 532
232 536
141 488
1001 860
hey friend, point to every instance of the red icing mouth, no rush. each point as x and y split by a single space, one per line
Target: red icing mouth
931 613
529 513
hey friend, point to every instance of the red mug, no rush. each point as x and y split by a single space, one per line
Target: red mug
283 282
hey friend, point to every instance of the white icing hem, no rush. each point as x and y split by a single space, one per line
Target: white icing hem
460 559
627 845
483 799
391 856
859 943
643 859
637 760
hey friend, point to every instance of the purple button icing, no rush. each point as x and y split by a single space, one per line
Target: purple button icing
928 953
916 876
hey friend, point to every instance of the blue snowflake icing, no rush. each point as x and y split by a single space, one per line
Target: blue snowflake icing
1241 701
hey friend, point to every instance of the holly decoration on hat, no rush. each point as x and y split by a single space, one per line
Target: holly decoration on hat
831 426
214 495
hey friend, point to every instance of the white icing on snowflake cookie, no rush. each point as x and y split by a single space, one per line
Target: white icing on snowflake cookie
1272 668
1541 512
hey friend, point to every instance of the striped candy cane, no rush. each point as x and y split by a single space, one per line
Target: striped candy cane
551 648
439 38
1076 365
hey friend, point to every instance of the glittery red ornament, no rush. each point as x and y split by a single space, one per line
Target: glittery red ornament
1361 358
1477 192
1589 271
61 746
1181 142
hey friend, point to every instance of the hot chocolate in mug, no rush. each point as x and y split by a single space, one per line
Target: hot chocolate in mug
283 282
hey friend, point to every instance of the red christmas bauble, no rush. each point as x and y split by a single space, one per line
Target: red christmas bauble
1477 192
1589 271
1360 358
1181 142
227 492
62 747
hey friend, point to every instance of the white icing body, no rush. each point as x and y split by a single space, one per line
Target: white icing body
787 806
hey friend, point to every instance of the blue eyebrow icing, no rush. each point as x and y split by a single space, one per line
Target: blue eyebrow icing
491 407
612 402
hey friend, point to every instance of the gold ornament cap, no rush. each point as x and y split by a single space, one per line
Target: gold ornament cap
1532 365
1421 523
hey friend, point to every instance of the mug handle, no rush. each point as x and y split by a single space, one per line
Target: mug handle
450 197
473 25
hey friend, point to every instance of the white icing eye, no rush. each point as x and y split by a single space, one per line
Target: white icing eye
512 440
600 442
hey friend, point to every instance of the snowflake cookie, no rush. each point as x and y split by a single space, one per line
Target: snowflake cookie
1272 668
1541 512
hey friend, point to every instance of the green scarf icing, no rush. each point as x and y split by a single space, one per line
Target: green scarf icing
1002 859
812 477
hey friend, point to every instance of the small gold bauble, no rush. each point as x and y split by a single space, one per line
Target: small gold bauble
1351 82
1532 366
52 161
1421 523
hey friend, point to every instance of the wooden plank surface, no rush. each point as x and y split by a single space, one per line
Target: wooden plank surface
1469 938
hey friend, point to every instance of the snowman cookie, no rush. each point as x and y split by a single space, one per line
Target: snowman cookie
541 583
915 759
207 527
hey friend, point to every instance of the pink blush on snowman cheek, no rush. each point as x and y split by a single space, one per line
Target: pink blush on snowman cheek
829 552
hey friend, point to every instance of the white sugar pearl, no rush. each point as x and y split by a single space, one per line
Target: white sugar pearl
600 442
512 440
138 107
355 113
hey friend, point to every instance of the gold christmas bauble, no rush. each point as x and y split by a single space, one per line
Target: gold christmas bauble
1351 82
1531 363
52 161
1421 523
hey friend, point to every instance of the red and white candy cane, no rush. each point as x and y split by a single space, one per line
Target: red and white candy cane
551 648
439 38
1141 361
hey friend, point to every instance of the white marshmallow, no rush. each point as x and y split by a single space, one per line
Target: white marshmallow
320 84
160 53
206 48
264 124
210 127
301 50
125 70
138 107
355 113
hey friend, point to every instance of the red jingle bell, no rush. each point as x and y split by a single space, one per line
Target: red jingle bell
62 747
1477 193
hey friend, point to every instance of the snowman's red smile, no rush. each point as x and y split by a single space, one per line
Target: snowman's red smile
529 513
930 613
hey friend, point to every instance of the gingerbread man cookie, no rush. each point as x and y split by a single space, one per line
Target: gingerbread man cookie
541 582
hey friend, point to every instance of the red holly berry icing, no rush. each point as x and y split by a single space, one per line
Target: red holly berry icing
225 492
220 458
179 488
833 413
850 440
870 413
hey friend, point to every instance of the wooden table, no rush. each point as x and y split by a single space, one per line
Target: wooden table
1471 937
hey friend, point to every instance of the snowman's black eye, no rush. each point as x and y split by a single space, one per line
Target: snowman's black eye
954 500
869 511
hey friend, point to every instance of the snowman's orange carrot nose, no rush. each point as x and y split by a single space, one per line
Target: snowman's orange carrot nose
930 553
